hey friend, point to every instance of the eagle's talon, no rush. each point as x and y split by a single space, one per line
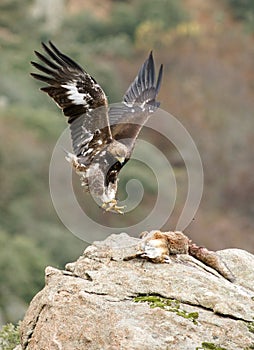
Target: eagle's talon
112 206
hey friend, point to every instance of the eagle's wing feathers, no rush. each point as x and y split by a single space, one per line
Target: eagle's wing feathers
144 89
89 135
98 141
139 101
78 95
59 57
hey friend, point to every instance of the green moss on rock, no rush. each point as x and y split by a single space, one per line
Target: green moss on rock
167 304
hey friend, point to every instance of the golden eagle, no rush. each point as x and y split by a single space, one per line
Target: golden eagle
103 137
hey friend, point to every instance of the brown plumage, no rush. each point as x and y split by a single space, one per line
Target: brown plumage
103 138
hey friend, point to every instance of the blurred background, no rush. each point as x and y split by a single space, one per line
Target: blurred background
207 48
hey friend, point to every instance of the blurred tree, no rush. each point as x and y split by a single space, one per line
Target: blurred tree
22 264
14 15
52 13
168 12
243 10
9 337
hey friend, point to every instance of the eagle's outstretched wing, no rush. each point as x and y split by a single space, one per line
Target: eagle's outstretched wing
139 101
78 95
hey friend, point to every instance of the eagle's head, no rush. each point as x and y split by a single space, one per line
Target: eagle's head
118 150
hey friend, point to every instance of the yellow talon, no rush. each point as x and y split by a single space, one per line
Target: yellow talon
112 206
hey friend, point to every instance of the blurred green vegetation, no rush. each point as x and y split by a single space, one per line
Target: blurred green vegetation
206 86
9 337
243 10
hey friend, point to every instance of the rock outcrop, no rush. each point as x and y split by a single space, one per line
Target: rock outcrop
104 302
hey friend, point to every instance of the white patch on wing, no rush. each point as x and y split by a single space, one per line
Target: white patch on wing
86 153
76 96
85 140
128 104
90 150
87 137
70 157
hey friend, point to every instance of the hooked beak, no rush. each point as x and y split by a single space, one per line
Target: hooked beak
120 159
